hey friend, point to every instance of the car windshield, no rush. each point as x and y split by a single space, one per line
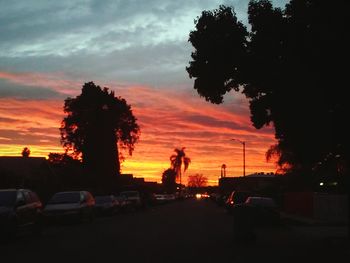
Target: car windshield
102 199
65 198
7 198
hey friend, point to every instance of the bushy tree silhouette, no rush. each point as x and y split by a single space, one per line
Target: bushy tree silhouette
97 122
25 152
290 67
197 180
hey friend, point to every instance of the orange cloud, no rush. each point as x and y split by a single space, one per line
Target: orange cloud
169 118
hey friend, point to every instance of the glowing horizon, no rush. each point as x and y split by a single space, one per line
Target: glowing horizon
168 119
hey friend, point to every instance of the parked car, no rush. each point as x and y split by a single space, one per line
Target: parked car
122 202
221 199
133 198
106 205
262 210
73 205
236 197
20 209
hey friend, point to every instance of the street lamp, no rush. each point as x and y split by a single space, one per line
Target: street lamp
243 143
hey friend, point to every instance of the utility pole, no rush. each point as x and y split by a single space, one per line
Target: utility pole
243 143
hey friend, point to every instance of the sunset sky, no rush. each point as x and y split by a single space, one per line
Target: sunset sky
139 49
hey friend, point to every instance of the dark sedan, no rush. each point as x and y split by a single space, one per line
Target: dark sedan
19 209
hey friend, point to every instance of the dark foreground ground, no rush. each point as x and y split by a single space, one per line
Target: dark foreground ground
184 231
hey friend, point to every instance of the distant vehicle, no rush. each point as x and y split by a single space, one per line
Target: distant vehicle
164 198
73 205
236 197
133 198
106 205
160 198
19 209
171 197
203 196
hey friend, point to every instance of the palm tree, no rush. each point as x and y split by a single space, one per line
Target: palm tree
176 161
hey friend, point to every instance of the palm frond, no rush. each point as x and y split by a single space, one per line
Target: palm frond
186 161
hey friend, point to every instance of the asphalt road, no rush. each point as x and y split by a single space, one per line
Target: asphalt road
183 231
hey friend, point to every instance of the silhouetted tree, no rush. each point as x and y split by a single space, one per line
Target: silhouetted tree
289 66
176 161
25 152
169 180
69 171
197 180
61 158
97 122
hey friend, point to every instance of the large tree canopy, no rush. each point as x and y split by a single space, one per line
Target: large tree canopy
97 122
290 67
220 42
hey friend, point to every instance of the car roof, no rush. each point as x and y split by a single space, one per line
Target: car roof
7 190
68 192
262 200
14 190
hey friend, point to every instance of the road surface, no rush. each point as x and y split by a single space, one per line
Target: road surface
182 231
